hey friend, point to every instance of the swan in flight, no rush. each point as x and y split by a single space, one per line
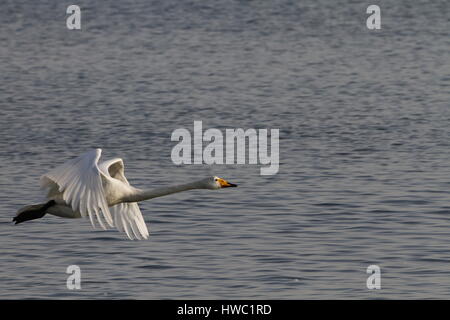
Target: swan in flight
83 187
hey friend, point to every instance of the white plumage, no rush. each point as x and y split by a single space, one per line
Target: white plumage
83 187
82 182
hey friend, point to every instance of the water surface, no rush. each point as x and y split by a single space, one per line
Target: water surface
364 123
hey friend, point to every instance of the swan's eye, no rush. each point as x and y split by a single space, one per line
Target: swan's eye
215 179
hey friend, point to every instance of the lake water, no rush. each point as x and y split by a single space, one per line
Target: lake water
364 120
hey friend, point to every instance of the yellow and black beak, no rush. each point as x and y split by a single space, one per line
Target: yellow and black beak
225 184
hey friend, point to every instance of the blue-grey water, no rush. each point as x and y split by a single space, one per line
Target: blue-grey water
364 119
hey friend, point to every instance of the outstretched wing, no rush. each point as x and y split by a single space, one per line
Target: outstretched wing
80 183
127 216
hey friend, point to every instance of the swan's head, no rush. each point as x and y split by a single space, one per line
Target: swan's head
217 183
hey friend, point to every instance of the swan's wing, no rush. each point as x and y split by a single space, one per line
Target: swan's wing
80 183
115 169
127 216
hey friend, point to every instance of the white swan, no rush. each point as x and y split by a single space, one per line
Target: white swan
84 188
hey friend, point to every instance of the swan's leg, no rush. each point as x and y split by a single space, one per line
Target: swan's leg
32 212
63 211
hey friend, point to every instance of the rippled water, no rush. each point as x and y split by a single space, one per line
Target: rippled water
364 123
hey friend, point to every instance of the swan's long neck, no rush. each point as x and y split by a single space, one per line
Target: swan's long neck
141 195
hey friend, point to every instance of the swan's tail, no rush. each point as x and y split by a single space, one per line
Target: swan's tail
32 212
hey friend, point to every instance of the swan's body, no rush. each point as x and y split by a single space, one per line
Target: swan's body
82 187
